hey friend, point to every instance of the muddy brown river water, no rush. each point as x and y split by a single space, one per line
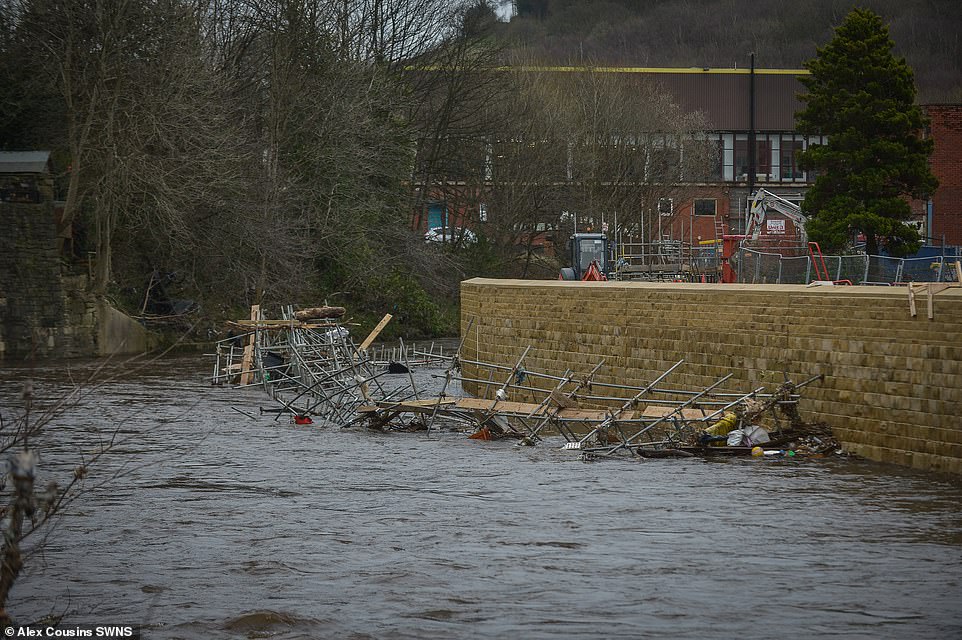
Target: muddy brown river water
224 525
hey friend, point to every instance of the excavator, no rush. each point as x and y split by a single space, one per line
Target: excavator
757 213
588 254
761 204
765 200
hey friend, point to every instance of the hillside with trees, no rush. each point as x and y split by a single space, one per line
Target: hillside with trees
722 33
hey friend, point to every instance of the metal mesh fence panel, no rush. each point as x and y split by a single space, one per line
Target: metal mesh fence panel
945 272
921 269
755 267
796 270
769 268
742 263
828 266
883 270
898 270
851 268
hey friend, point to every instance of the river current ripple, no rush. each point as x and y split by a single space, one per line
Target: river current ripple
226 525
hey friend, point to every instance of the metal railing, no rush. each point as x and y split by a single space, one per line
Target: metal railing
668 259
758 267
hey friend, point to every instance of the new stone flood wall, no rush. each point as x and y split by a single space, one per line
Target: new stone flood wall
893 387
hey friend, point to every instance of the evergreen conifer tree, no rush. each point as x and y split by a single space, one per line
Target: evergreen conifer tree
863 98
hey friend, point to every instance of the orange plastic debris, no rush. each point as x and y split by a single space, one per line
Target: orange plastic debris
481 434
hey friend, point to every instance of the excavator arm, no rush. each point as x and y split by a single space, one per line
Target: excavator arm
765 200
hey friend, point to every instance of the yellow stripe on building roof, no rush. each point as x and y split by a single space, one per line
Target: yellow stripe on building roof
666 70
745 71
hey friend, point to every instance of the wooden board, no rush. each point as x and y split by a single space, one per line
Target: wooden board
426 403
407 405
246 373
375 332
484 406
319 313
659 411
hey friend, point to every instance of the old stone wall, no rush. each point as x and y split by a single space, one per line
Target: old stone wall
893 386
44 313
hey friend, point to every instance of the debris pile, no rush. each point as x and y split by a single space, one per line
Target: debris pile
308 363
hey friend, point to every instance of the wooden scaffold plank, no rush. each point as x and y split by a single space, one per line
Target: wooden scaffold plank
246 373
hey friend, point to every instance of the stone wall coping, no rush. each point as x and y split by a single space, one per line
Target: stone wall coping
692 287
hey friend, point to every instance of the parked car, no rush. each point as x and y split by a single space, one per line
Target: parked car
450 234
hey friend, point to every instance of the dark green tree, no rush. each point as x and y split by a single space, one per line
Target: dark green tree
863 98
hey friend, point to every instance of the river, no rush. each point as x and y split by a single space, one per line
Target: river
211 520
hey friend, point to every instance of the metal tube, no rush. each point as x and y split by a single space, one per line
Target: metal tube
447 375
631 402
712 416
571 394
751 127
666 401
665 417
408 367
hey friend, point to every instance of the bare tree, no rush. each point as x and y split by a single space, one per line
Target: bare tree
241 142
526 168
456 102
148 144
596 146
389 32
631 146
333 152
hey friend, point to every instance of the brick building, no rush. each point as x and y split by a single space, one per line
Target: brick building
768 126
944 210
750 115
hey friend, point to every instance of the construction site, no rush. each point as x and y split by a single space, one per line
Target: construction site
652 350
773 248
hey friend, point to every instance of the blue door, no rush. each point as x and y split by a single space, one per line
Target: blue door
437 216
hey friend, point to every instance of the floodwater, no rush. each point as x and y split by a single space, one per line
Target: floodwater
226 525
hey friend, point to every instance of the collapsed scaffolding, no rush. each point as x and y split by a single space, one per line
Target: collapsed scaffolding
307 363
310 366
654 420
